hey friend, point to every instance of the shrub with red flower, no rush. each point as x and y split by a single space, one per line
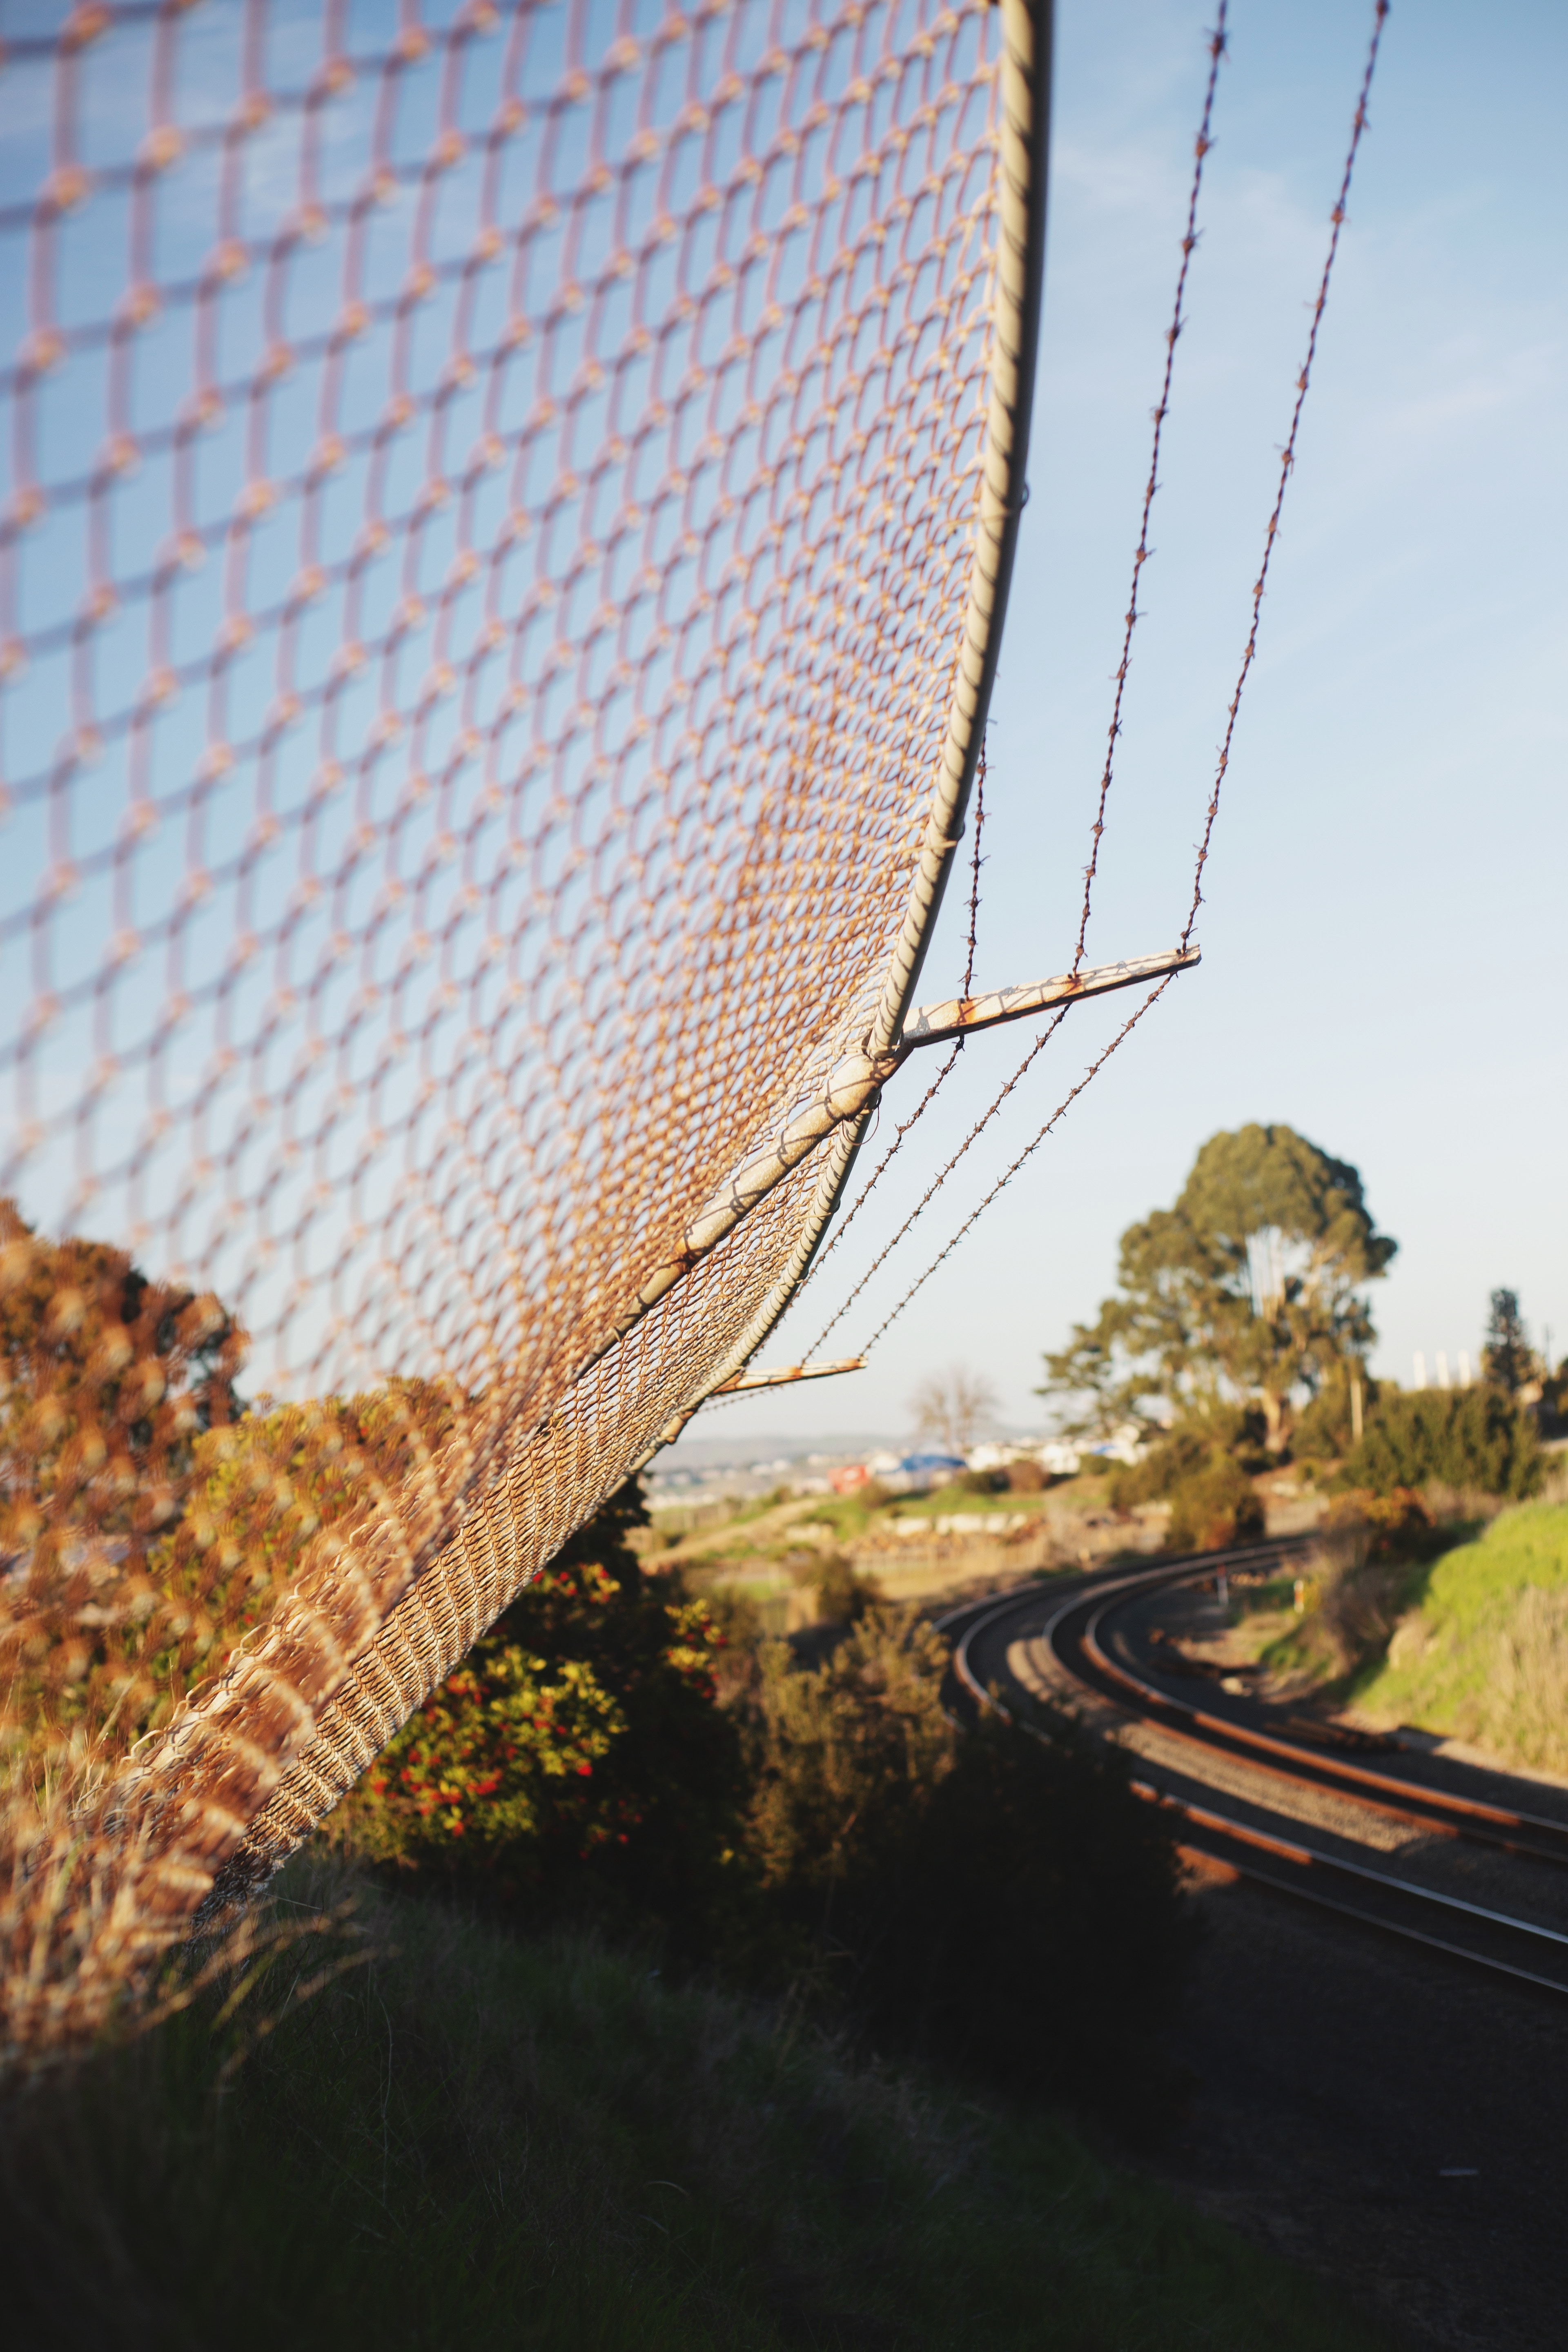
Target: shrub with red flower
484 1756
584 1730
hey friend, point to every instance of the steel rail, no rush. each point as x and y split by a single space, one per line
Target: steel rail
1244 1867
1292 1850
1164 1571
1458 1816
1239 1842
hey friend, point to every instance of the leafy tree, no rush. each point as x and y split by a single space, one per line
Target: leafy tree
1469 1438
1248 1289
1506 1360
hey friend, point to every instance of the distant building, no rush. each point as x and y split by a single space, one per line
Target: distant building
849 1478
1125 1444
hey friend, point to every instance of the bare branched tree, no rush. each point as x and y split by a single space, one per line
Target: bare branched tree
954 1406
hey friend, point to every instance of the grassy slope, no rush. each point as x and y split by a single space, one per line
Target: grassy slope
480 2141
1485 1656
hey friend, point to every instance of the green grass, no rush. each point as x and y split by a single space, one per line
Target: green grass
478 2141
760 1505
1484 1657
943 1500
846 1513
851 1519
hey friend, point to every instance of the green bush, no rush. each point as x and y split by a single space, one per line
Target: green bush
1326 1428
1484 1655
1475 1439
842 1597
1182 1453
952 1889
841 1755
831 1829
849 1516
1215 1506
1213 1501
578 1752
1035 1885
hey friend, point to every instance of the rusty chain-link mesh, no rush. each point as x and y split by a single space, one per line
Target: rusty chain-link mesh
507 512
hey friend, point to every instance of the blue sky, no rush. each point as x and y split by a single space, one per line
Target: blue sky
1384 959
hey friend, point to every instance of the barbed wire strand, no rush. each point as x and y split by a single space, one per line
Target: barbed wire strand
936 1085
1200 145
1029 1149
934 1187
1287 463
974 872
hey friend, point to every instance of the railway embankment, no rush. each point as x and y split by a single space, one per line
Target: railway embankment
1482 1656
1376 2027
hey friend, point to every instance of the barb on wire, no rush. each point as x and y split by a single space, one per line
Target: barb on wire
1029 1149
974 873
891 1153
1217 41
936 1085
1287 461
934 1187
1203 143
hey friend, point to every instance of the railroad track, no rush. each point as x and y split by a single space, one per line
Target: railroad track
1074 1641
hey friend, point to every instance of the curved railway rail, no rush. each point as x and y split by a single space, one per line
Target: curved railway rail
1081 1640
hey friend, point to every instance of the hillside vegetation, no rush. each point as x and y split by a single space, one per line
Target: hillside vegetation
1484 1655
825 1831
477 2139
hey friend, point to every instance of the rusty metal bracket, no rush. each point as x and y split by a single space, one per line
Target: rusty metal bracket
959 1016
781 1375
853 1089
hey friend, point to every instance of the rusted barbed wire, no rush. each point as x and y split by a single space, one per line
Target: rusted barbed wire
1027 1152
1200 145
935 1088
1288 459
974 874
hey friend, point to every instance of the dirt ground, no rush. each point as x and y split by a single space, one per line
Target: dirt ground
1382 2116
